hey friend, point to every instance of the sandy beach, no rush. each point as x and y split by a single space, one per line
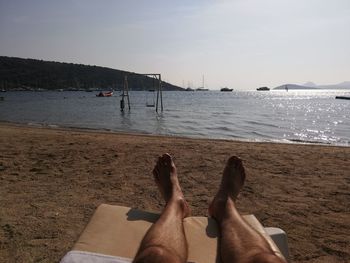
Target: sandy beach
52 180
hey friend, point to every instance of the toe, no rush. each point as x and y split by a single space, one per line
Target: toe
167 158
235 162
167 155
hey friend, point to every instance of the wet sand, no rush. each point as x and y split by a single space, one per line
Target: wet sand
52 180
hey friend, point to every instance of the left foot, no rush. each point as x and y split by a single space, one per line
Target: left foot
165 176
231 184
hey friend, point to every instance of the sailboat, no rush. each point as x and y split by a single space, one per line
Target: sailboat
202 88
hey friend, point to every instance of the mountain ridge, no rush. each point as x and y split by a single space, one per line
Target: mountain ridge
33 74
311 85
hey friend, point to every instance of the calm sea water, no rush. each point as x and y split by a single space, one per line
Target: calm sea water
299 116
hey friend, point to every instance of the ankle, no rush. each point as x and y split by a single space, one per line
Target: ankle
180 204
184 207
222 208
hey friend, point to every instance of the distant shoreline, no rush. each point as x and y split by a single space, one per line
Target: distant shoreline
29 74
209 90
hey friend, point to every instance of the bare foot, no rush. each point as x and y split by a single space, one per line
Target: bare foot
165 176
231 183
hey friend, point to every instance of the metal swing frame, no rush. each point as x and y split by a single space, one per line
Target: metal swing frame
159 88
125 94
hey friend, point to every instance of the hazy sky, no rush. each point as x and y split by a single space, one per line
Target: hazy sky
242 44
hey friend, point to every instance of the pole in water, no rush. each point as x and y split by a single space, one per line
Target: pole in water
122 104
125 94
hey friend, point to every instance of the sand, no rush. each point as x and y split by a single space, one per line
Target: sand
52 180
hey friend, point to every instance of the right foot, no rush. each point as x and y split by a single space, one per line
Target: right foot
165 176
231 183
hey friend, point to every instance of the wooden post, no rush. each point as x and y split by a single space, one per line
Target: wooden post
125 94
157 96
161 91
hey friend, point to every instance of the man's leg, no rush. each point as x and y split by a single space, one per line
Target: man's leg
239 242
165 241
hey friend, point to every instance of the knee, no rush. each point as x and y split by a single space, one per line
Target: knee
156 254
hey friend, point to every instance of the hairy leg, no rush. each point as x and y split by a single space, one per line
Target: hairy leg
239 242
165 241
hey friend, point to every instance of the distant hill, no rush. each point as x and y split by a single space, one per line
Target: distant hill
32 74
342 85
293 87
311 85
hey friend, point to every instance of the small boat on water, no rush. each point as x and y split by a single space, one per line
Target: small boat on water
263 89
226 89
105 94
202 88
343 97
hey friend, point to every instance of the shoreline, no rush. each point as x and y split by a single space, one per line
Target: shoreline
52 180
136 133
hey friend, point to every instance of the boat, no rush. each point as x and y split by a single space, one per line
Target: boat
105 94
343 97
263 89
202 88
226 89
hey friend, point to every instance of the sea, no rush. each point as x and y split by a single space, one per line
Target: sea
303 116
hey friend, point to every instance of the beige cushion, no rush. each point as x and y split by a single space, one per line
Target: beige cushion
118 231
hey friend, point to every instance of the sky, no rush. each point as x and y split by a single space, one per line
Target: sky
241 44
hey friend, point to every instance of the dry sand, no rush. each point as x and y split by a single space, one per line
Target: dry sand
51 181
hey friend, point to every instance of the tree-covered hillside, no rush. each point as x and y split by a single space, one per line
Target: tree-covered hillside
32 74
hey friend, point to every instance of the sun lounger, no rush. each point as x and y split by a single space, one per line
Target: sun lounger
115 232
